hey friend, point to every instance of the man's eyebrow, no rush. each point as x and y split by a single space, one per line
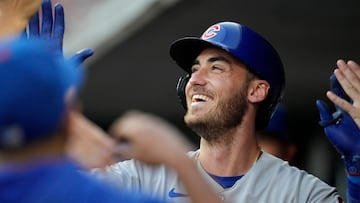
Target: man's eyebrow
195 62
213 59
219 58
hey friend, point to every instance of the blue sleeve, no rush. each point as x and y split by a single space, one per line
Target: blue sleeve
353 190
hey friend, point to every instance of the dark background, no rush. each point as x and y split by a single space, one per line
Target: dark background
309 36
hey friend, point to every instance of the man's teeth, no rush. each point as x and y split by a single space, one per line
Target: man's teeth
199 98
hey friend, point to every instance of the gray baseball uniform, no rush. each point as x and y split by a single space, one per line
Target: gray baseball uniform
270 180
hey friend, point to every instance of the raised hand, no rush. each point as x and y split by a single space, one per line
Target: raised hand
88 144
348 75
340 125
149 138
52 29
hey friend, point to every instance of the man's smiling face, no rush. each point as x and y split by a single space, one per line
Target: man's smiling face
217 89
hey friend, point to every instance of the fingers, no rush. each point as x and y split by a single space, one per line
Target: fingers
348 75
336 87
135 126
150 138
340 102
127 127
47 19
347 80
345 106
59 26
354 67
82 55
34 29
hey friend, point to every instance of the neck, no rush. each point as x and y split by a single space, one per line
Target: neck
52 147
230 159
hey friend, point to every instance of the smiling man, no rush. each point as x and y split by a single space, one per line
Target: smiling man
234 81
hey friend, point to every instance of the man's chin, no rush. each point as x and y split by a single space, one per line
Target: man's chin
194 114
194 120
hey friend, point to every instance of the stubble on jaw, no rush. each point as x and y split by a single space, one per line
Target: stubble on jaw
217 125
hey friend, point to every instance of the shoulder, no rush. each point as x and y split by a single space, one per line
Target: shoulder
135 175
280 169
279 177
131 170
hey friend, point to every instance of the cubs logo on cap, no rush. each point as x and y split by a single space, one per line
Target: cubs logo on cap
211 32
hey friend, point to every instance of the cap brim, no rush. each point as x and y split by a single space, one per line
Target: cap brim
184 51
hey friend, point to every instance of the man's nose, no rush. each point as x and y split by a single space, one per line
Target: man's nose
198 77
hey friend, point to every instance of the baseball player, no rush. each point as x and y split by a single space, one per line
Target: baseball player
37 99
234 81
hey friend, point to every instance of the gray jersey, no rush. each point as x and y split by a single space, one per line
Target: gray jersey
270 180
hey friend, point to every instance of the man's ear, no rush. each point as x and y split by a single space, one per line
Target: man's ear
258 90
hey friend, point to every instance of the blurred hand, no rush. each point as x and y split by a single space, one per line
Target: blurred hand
89 144
15 15
148 138
53 29
342 126
348 75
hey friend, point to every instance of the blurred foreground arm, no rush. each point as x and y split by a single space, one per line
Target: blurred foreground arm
89 144
154 141
342 126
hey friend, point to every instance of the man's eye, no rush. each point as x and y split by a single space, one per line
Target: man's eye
194 69
216 68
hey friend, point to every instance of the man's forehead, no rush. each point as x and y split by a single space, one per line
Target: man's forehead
213 52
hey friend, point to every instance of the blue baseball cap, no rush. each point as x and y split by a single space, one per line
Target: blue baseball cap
34 81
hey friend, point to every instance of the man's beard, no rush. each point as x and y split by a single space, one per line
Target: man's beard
215 126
